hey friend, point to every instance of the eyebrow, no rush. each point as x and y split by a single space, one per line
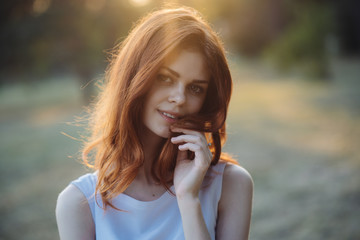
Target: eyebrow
176 74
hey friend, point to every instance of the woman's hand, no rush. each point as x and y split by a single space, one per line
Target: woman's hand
188 177
189 174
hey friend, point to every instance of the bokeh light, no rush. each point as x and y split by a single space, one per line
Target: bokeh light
139 3
41 6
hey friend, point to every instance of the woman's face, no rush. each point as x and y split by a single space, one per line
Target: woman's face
178 90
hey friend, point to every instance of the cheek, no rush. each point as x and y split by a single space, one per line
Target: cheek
146 109
151 102
156 94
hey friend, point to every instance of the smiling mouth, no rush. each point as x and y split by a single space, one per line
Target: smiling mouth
169 117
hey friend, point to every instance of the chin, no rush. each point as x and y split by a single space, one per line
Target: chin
164 134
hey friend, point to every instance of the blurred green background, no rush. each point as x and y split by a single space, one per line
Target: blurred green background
294 119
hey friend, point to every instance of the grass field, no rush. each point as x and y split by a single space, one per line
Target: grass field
298 139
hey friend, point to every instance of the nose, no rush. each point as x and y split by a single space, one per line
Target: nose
177 94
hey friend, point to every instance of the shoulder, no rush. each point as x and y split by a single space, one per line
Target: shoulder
235 203
237 184
236 176
73 214
71 203
70 197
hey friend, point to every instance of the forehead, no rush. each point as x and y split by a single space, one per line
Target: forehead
189 64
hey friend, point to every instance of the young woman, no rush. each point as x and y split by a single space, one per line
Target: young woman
157 133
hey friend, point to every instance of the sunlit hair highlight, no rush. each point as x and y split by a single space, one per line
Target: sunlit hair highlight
117 116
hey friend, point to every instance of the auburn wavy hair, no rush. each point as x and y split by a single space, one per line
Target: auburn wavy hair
115 118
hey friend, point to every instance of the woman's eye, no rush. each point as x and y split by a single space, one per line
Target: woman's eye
195 89
164 78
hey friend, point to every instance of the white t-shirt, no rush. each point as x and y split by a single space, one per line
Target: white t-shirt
154 220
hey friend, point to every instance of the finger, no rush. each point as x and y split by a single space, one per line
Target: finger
188 138
199 153
190 146
182 155
198 148
186 131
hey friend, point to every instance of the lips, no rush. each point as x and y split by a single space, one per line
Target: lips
169 116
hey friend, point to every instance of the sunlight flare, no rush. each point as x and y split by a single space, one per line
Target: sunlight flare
139 3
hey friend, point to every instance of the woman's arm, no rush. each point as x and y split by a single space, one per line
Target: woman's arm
235 204
192 219
73 215
188 177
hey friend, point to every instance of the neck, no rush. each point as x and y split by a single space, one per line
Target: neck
144 187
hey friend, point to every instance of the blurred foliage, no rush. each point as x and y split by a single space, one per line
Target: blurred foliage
348 26
254 24
63 36
303 43
42 38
